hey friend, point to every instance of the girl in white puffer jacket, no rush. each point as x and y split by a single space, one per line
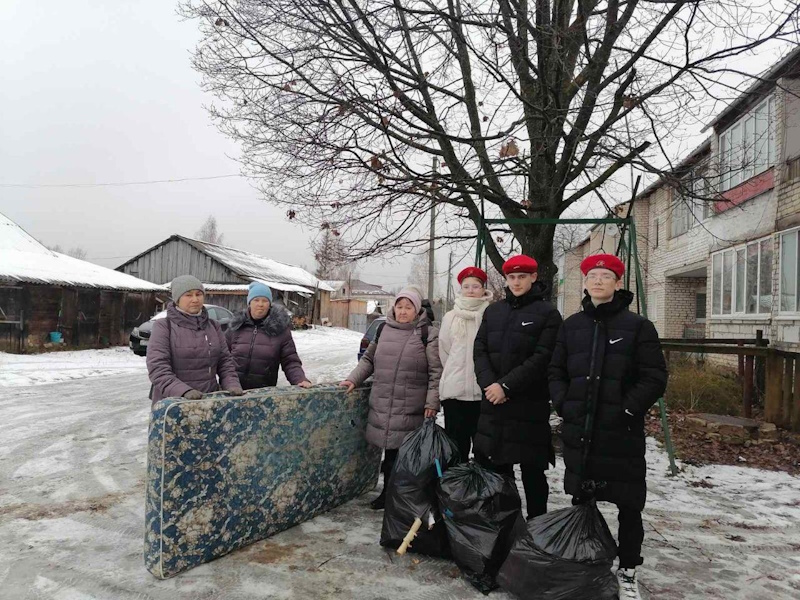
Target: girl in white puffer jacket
458 388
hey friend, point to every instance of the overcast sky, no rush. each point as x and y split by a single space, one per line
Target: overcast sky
97 91
93 91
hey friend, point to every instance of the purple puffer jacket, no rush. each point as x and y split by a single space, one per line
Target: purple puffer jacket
259 349
188 356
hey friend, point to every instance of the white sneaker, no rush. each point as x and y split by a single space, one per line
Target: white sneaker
628 586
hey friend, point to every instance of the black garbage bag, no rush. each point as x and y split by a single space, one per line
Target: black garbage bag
411 491
563 555
480 510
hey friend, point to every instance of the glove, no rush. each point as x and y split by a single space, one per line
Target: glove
236 391
193 395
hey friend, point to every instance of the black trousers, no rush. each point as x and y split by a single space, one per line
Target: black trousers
630 536
389 458
461 423
533 480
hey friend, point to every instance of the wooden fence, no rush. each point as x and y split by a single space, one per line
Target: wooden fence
781 378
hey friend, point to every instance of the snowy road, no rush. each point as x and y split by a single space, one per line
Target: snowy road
72 467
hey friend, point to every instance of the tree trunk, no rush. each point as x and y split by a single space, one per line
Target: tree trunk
536 241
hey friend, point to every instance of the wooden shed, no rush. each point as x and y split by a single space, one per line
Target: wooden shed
226 272
44 292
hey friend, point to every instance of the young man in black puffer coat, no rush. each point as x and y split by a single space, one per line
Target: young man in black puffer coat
512 351
608 366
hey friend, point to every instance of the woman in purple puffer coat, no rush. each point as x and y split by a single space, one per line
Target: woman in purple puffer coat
260 341
187 352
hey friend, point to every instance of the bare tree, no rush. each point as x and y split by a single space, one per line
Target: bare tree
209 232
568 236
357 115
418 273
496 283
74 252
332 260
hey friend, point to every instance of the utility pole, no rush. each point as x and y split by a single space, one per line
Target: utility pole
450 298
431 246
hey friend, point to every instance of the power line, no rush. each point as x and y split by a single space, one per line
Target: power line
113 184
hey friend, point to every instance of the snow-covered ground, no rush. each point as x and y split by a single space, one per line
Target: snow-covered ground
72 467
18 370
328 353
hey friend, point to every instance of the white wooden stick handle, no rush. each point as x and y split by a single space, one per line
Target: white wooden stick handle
412 533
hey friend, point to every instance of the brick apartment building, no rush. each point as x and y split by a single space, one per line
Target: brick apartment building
718 240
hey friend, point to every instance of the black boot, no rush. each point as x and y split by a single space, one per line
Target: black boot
379 502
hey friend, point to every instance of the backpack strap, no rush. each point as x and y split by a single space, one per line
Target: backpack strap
169 343
378 333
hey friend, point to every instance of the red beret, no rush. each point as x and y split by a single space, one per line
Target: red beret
520 264
603 261
472 272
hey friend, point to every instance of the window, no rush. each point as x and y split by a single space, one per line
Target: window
741 280
691 204
700 307
747 148
788 275
655 233
682 218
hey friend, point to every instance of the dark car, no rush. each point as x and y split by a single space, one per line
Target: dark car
140 336
369 336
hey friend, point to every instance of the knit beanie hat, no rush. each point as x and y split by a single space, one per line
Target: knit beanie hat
259 290
184 283
412 296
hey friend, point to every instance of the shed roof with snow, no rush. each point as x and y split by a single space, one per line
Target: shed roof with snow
221 266
23 259
358 287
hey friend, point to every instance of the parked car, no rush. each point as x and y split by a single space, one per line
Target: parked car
140 336
372 330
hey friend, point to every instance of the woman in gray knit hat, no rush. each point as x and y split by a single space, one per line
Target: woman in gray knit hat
187 351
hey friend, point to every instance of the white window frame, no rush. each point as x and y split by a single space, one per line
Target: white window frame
796 232
681 219
735 313
687 208
743 152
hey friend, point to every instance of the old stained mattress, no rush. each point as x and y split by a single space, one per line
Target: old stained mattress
224 472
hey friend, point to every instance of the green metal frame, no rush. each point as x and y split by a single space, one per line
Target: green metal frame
632 252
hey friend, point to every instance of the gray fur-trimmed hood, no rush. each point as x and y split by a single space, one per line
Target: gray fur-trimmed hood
278 320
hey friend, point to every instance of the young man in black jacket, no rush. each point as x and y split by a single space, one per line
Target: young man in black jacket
512 350
607 371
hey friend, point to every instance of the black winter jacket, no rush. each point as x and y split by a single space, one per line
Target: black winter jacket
513 348
259 349
608 362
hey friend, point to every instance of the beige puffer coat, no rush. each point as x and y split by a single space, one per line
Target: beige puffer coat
456 341
406 380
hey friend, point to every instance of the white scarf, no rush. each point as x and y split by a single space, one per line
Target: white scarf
468 309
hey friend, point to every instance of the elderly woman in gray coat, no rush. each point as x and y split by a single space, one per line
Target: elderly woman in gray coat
404 360
187 351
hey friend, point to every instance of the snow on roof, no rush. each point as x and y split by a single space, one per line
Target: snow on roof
23 259
358 287
258 267
243 287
